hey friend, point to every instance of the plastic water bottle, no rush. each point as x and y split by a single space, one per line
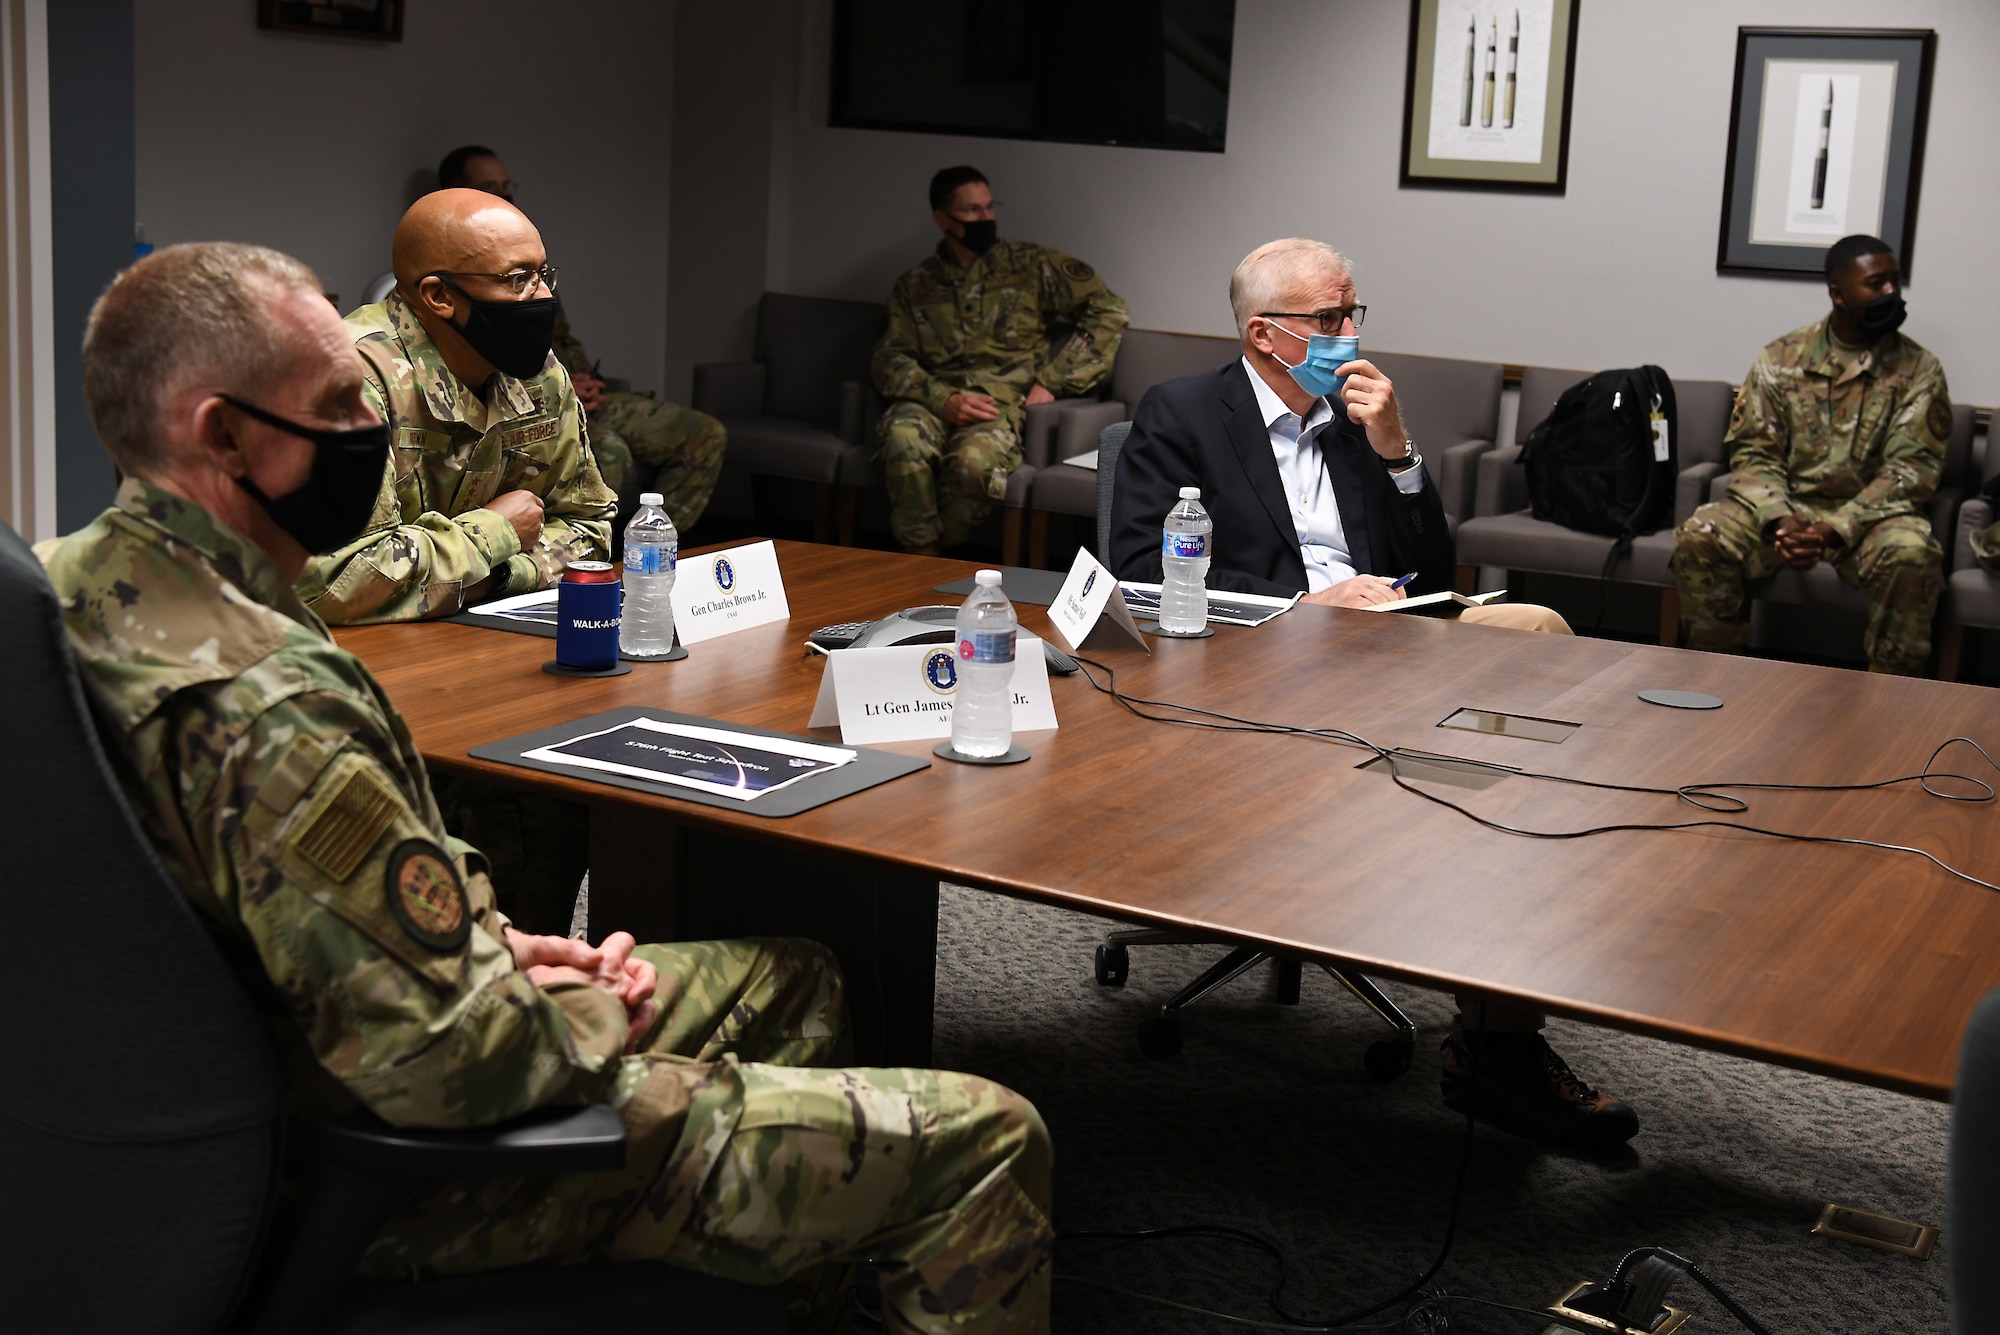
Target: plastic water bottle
1184 566
982 711
652 549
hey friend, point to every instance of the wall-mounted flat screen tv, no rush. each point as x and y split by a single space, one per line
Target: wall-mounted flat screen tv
1139 73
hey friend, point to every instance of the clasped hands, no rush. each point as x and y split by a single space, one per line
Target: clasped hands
589 391
966 407
559 959
1802 542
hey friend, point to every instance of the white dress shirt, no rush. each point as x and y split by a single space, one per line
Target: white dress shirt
1309 487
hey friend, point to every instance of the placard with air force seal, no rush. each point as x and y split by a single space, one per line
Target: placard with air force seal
904 692
726 591
1090 612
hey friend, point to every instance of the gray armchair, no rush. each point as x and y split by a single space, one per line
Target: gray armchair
1971 596
1822 587
1145 358
1502 532
801 409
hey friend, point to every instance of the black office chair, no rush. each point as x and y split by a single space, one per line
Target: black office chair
1160 1035
1972 1182
142 1110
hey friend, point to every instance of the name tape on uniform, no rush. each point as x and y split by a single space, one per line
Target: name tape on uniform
904 692
728 591
1090 612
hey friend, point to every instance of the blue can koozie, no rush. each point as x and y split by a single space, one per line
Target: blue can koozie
587 603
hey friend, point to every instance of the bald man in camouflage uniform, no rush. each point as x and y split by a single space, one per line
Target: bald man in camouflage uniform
971 344
676 451
1838 439
434 538
289 804
491 490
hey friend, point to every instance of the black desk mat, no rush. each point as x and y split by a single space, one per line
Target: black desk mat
539 629
868 768
1021 584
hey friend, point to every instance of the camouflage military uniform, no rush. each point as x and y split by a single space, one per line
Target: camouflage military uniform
430 539
677 451
983 328
289 804
1853 439
454 451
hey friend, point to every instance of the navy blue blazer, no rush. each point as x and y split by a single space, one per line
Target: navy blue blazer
1206 431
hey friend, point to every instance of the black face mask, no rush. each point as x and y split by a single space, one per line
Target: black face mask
513 335
980 235
1882 316
338 498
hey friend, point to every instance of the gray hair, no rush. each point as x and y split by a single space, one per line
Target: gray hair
181 313
1275 269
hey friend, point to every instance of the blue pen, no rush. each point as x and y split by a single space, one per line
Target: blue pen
1399 583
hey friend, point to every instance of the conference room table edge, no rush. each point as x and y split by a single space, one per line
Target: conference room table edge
361 639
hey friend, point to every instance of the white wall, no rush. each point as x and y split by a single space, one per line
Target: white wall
315 145
1619 271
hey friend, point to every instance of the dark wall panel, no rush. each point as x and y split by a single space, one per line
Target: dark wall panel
91 117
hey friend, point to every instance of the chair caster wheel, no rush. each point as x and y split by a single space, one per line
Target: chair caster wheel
1389 1058
1113 963
1160 1036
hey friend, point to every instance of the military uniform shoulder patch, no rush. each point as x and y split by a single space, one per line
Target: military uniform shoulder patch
1939 419
1077 271
338 834
426 896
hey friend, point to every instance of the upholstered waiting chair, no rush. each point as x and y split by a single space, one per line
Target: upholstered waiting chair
798 410
142 1118
1503 531
1145 358
1971 596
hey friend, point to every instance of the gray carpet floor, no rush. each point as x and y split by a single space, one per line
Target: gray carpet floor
1267 1122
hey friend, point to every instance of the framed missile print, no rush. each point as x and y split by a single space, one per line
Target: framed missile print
1826 139
1486 101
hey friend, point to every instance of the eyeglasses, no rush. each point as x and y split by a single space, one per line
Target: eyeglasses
517 281
1330 321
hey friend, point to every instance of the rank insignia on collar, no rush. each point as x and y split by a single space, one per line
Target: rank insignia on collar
426 896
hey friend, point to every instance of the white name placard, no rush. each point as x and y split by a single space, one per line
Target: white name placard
1090 605
904 692
728 591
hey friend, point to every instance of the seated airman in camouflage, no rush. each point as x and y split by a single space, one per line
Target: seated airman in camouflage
661 446
287 801
1837 441
975 338
490 488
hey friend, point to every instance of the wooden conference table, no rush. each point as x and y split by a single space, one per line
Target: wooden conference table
1848 961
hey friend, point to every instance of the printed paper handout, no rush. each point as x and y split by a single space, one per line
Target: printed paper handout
711 760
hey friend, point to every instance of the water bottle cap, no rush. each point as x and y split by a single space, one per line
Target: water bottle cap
987 579
651 498
1190 493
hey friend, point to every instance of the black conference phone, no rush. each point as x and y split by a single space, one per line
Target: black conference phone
915 625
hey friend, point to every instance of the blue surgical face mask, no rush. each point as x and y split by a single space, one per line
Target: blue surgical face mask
1324 352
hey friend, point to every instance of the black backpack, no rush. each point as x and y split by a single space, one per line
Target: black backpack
1593 465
